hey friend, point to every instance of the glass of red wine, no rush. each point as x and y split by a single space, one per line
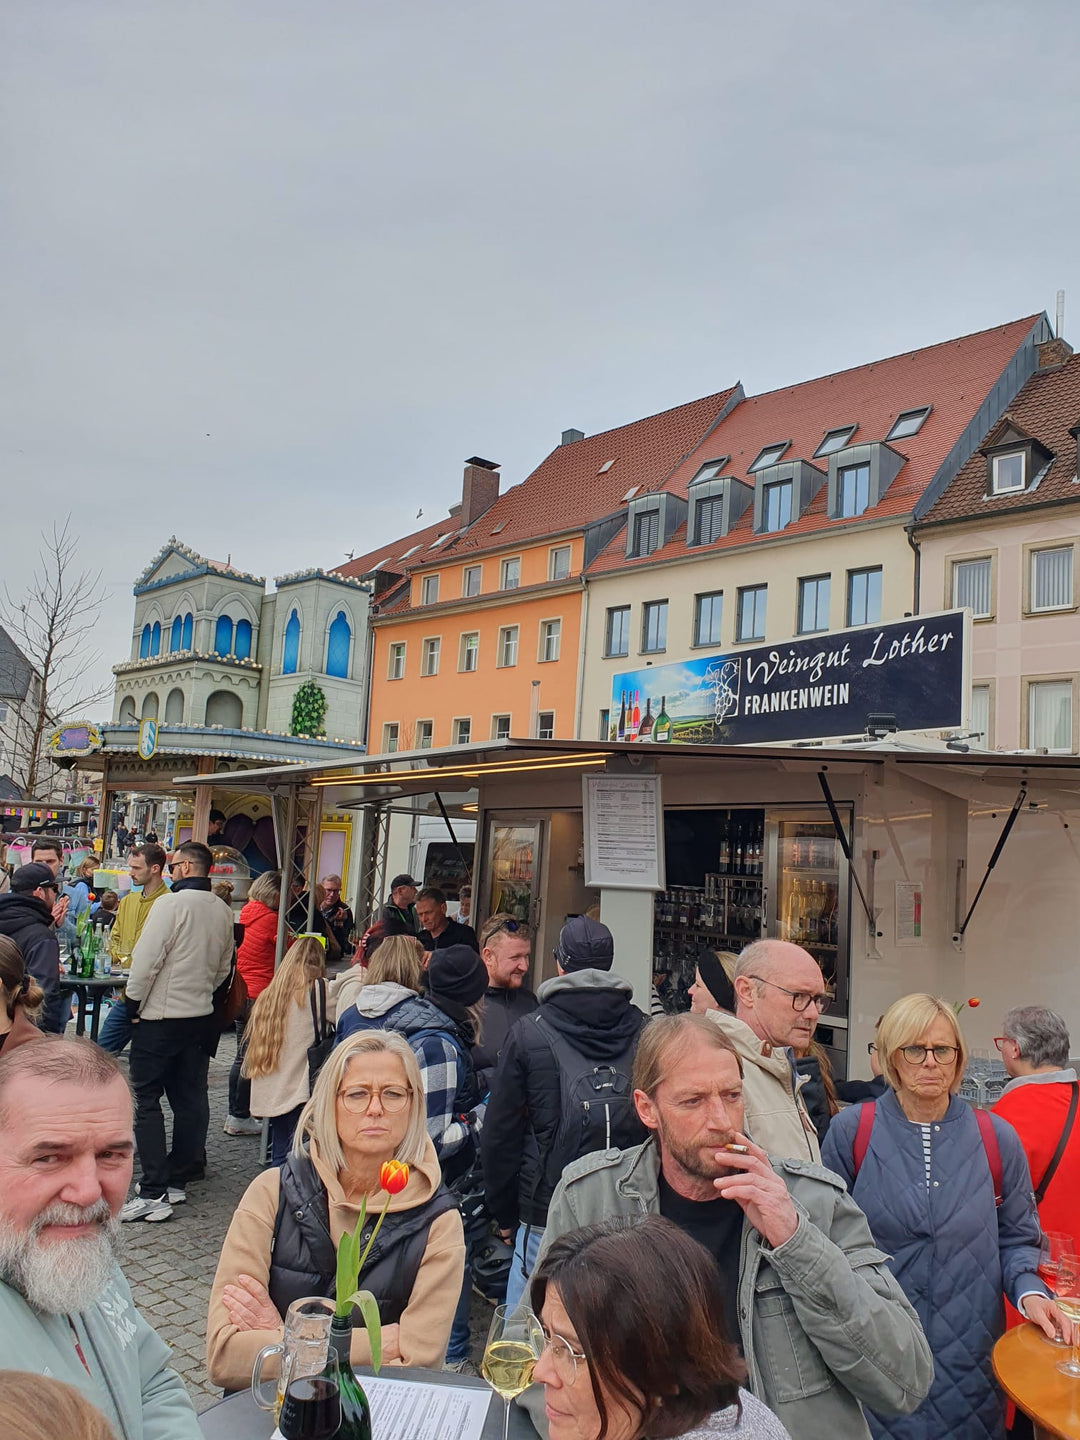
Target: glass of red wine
311 1409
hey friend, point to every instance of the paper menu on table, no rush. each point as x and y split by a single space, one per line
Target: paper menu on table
411 1410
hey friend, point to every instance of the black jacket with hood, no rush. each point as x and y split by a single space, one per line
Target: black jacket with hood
503 1007
594 1011
28 921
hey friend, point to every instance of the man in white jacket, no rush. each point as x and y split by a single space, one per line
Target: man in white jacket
182 956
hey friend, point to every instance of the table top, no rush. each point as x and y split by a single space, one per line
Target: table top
1025 1364
239 1418
93 982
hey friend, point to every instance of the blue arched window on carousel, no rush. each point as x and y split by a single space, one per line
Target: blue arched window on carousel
144 643
290 658
223 636
175 633
155 638
242 646
185 638
337 647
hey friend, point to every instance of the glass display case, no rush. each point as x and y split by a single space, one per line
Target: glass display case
514 869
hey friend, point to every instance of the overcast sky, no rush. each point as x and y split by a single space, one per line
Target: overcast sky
270 271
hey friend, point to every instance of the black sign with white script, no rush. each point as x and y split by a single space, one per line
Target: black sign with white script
815 688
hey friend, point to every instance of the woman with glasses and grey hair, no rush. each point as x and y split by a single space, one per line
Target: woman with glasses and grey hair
947 1193
367 1107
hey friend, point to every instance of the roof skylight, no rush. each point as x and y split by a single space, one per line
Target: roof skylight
631 492
710 470
769 456
835 440
908 422
605 467
411 551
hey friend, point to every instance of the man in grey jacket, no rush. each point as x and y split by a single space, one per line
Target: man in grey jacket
65 1308
820 1320
183 954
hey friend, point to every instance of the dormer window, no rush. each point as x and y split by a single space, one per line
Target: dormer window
646 532
429 590
908 423
769 456
854 490
776 506
1008 472
708 520
651 521
835 440
859 476
784 493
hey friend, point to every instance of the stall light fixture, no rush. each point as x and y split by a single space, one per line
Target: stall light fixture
384 777
531 762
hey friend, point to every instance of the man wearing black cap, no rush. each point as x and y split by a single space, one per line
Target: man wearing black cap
561 1089
399 916
26 916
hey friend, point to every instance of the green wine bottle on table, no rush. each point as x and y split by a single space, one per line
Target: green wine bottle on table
355 1411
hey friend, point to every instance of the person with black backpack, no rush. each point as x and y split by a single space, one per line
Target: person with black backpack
561 1090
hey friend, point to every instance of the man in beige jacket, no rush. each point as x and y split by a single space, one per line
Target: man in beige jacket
779 995
183 954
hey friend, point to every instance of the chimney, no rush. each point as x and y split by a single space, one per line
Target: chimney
569 436
479 489
1053 352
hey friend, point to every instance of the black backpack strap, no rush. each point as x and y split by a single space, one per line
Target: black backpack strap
1063 1140
318 1018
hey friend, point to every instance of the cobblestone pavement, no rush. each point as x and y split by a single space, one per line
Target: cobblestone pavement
170 1266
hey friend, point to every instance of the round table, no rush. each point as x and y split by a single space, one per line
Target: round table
1025 1364
239 1418
90 992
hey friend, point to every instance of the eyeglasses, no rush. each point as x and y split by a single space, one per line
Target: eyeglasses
564 1357
800 999
999 1042
916 1054
871 1049
510 926
392 1098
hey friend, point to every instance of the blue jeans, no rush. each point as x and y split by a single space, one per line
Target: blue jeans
526 1244
115 1032
282 1130
458 1347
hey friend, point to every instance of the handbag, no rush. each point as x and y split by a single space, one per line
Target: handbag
230 999
324 1033
1055 1159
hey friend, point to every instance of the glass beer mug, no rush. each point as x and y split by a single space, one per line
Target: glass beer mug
301 1351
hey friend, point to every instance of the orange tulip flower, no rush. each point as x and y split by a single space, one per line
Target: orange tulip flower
394 1176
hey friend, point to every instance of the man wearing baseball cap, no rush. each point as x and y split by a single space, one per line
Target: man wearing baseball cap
561 1090
399 915
26 916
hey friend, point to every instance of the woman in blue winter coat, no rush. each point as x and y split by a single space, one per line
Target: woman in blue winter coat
952 1204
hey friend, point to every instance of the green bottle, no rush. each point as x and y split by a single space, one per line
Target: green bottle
355 1411
661 730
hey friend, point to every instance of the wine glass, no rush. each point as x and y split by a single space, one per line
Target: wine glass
1055 1247
514 1344
1068 1301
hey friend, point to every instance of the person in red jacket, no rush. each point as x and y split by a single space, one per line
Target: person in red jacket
1040 1103
255 962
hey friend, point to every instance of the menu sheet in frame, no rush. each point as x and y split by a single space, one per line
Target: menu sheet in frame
624 832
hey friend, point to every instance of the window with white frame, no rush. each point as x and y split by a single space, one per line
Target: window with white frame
559 563
390 733
545 725
653 627
1050 715
1052 578
854 490
510 573
813 604
396 668
708 613
972 582
429 589
500 727
617 632
776 506
1008 472
750 612
864 596
979 725
424 732
508 646
470 580
550 639
429 657
469 651
462 730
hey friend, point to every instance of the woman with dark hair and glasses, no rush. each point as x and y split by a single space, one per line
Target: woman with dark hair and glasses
633 1316
947 1193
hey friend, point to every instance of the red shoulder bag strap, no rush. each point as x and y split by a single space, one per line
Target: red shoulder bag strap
993 1153
867 1110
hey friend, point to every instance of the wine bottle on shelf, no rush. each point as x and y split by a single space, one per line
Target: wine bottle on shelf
620 734
645 733
662 726
740 851
355 1411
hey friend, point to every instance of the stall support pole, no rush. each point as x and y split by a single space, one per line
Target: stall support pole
104 814
314 816
200 823
1006 831
628 914
841 835
453 837
286 847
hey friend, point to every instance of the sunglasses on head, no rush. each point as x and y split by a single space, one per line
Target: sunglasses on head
510 926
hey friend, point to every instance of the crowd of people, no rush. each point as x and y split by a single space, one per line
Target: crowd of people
714 1237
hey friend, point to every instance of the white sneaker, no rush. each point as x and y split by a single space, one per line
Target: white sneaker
234 1125
174 1195
150 1210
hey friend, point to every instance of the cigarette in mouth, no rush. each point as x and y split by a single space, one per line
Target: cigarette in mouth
736 1149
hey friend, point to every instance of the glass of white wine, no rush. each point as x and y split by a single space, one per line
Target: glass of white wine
1067 1296
514 1344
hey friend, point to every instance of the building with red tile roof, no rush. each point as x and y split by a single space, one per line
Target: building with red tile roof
1002 539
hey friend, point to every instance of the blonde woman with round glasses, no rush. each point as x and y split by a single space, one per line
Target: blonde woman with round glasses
948 1196
367 1108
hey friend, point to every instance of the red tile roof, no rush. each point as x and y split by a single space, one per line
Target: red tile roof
954 377
567 491
1045 409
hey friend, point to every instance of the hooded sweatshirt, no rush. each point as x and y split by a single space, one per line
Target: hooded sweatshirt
776 1118
127 1374
594 1011
28 921
424 1329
